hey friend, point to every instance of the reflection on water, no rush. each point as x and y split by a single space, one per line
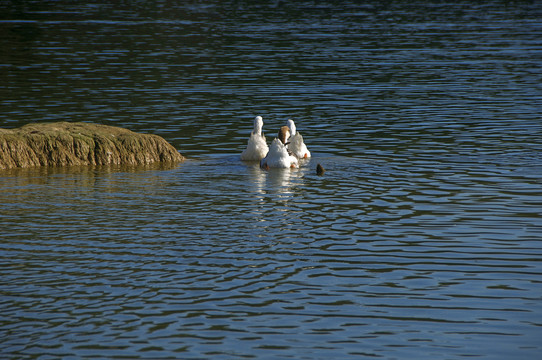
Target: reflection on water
217 257
422 240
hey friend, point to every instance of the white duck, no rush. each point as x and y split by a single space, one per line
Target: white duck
278 155
257 146
296 145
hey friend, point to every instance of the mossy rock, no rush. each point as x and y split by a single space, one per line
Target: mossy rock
66 144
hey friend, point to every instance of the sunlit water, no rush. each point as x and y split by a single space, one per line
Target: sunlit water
423 239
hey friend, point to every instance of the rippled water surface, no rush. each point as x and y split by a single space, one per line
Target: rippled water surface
423 239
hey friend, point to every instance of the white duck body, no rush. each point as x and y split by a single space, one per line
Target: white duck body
257 146
278 157
297 145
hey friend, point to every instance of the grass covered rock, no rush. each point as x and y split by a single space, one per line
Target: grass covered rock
67 144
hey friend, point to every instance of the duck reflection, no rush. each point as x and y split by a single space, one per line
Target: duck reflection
277 181
275 193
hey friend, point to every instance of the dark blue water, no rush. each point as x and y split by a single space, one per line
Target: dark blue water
423 240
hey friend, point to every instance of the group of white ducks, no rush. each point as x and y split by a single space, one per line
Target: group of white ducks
285 151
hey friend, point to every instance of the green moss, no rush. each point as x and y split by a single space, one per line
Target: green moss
63 144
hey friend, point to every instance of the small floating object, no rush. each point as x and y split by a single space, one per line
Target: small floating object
320 170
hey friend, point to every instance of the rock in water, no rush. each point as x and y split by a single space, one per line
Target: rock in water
320 170
65 144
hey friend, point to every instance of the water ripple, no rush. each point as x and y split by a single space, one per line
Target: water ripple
422 239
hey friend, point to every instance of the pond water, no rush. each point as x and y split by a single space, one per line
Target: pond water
423 239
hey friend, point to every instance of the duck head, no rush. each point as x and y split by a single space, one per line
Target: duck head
284 134
291 125
258 125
